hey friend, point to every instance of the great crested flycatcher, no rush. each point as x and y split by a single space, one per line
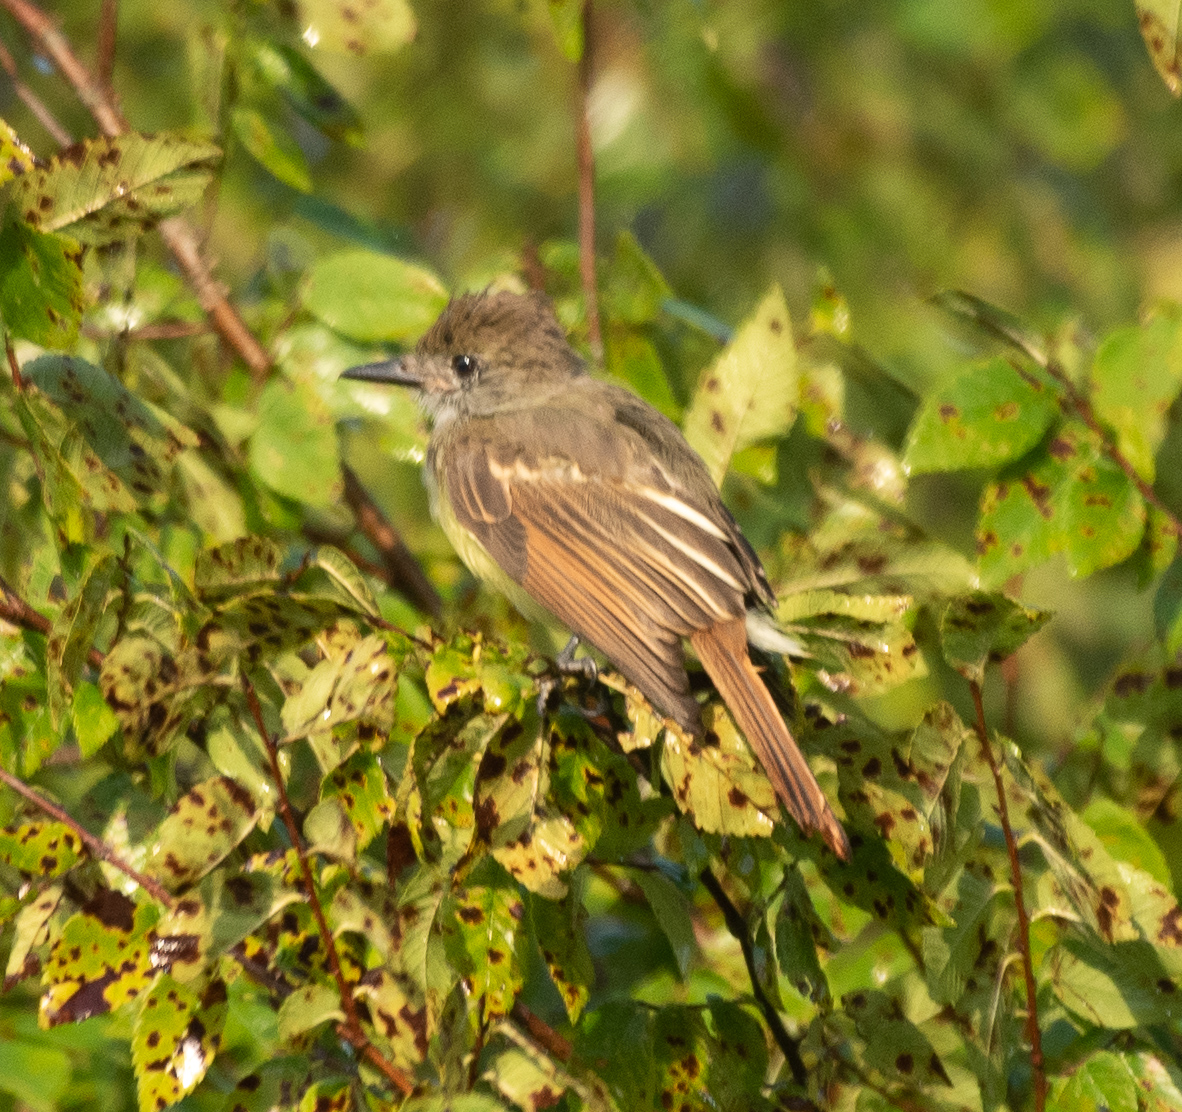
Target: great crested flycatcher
581 501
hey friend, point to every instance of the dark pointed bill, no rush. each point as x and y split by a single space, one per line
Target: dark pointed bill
387 371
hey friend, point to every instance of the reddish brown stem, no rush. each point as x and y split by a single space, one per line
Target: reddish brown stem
586 162
403 570
13 365
350 1029
543 1034
1033 1031
96 846
176 233
32 101
108 25
14 609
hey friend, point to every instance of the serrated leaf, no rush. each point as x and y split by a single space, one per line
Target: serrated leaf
93 720
981 629
41 292
203 826
673 913
378 27
894 1045
15 157
120 448
750 393
1119 987
1103 1083
1068 497
229 569
398 1012
719 786
109 188
72 636
360 786
372 297
989 415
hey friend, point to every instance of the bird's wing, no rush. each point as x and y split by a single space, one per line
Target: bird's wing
628 566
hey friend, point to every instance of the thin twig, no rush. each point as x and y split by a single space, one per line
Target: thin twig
97 847
176 232
108 26
1033 1032
14 609
32 101
161 330
350 1029
1082 405
13 364
586 161
737 925
405 574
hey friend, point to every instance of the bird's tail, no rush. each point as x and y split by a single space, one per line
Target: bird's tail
722 649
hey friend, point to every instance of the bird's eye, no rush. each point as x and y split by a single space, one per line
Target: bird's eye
463 365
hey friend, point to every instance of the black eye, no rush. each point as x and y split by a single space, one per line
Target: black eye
463 365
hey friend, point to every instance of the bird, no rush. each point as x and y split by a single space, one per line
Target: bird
584 504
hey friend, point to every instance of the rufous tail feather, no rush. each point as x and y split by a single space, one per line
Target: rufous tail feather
722 650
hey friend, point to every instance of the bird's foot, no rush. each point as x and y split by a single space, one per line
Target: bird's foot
568 665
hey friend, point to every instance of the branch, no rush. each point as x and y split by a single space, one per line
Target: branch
14 609
33 102
586 161
543 1034
403 570
176 233
108 26
737 925
350 1029
98 848
1033 1031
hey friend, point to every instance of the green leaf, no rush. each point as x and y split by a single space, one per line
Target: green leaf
1103 1083
399 1014
634 289
481 925
377 27
672 911
751 391
1118 987
981 629
201 829
37 1075
15 157
286 69
294 449
266 141
308 1007
989 415
372 297
93 720
360 787
231 569
798 932
110 188
566 19
41 294
559 927
895 1046
1137 375
1068 497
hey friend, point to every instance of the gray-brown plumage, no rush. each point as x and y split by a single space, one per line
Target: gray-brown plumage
575 495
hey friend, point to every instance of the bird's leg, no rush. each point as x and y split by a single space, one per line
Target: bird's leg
567 665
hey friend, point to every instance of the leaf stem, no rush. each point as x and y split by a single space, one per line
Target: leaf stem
1033 1032
350 1029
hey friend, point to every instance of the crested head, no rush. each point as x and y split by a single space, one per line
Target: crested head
486 350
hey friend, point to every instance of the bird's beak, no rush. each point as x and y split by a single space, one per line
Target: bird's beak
393 371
